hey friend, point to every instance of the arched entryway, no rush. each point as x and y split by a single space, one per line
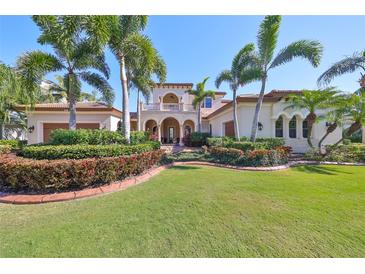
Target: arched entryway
188 129
170 131
151 127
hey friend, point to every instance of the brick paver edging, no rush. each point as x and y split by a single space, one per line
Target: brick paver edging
12 198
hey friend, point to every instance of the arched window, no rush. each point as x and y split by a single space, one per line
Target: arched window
305 128
279 127
293 127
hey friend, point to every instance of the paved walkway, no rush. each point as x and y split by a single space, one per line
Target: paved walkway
12 198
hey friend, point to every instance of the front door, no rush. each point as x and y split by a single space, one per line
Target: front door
171 134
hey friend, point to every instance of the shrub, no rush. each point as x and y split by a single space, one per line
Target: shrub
45 175
249 158
271 142
14 144
219 141
246 146
51 152
199 139
5 149
346 153
86 136
139 137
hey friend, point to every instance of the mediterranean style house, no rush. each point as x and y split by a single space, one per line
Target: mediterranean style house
170 116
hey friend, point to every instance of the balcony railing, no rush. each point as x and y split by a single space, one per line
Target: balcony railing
168 107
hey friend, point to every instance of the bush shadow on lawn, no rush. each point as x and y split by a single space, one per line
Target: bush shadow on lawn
185 167
324 170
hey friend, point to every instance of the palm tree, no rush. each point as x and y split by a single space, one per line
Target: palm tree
141 79
312 100
130 48
266 42
335 119
354 112
347 65
199 95
76 51
13 92
243 71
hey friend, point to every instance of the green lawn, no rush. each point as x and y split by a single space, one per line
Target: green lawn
309 211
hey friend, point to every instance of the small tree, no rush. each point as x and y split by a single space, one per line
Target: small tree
199 95
312 100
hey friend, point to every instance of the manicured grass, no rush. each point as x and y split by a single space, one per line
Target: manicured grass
309 211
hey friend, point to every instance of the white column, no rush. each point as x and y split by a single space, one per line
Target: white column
299 128
363 134
159 132
181 134
286 127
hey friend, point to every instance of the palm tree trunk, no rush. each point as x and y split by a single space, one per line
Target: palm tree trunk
138 111
2 130
72 102
199 118
125 107
311 118
257 110
330 129
353 128
235 120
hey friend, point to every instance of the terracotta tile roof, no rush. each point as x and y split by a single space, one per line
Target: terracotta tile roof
174 85
80 106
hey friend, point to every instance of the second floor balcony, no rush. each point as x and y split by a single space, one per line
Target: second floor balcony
168 107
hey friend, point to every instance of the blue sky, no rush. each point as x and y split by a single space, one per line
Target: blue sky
195 47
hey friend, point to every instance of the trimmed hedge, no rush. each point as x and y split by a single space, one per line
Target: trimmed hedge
86 137
14 144
5 149
271 142
199 138
238 157
20 173
52 152
247 146
139 137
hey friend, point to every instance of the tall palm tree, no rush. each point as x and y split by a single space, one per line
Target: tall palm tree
77 49
243 71
266 42
130 47
312 100
349 64
141 79
199 95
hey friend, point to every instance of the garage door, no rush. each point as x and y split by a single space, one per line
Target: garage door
49 127
229 129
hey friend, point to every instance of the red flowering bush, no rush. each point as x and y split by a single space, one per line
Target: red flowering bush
22 173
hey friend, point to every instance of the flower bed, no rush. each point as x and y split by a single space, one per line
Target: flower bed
5 149
13 144
244 144
44 175
51 152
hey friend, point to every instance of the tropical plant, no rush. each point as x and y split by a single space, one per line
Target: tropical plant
334 119
199 95
312 100
355 113
243 71
141 79
130 48
347 65
78 47
12 92
266 42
